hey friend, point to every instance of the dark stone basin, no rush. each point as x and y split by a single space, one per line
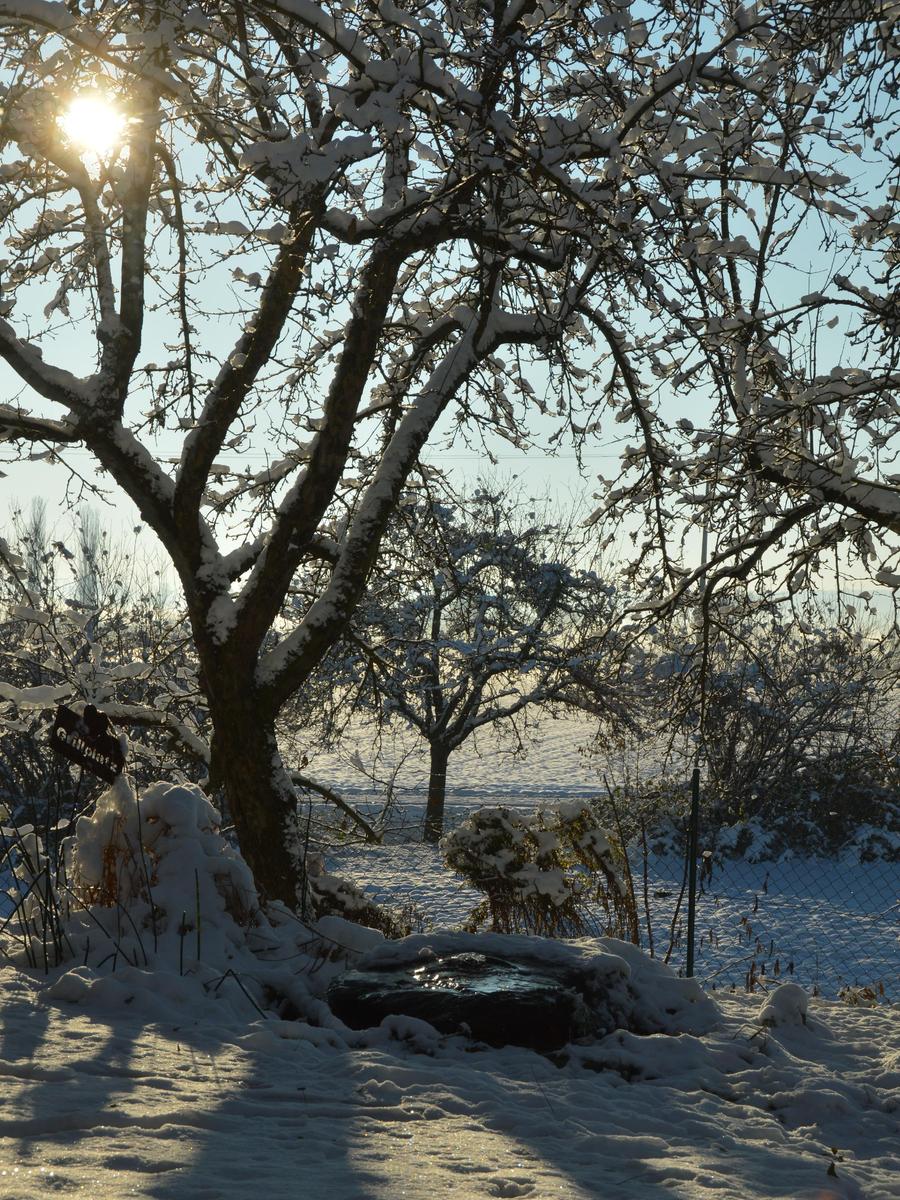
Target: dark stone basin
492 999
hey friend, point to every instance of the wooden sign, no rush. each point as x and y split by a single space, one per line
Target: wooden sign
85 739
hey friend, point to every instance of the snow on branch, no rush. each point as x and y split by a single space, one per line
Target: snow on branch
53 383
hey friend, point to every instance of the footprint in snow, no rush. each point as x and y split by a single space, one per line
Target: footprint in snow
381 1091
511 1187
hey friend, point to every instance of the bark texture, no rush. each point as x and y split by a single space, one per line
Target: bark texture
437 790
247 769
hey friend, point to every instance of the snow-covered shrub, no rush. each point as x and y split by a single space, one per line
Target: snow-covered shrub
871 842
139 875
540 871
161 857
826 807
797 725
812 831
334 896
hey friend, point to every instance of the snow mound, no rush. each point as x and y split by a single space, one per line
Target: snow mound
345 940
787 1005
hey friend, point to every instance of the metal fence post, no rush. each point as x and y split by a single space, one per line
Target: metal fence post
693 843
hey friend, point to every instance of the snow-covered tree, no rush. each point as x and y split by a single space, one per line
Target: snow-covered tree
479 614
306 232
763 387
130 655
796 713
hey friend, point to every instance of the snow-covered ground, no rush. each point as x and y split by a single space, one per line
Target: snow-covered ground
175 1079
131 1092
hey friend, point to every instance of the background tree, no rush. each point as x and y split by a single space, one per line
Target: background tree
796 714
349 223
478 615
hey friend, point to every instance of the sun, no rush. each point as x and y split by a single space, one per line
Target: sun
92 124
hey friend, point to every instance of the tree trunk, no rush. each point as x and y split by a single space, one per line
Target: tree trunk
262 802
437 787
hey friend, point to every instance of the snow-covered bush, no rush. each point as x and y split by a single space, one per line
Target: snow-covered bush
539 871
163 848
873 842
797 725
334 896
140 875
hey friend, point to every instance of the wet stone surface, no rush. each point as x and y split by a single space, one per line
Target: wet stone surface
495 1000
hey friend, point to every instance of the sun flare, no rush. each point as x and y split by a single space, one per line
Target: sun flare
92 124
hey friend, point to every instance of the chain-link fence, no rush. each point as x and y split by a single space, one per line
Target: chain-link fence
830 924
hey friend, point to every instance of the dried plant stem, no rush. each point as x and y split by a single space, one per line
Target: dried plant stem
231 974
197 908
646 887
631 903
92 916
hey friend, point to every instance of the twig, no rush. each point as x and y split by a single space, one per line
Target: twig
646 882
675 914
304 781
140 824
218 983
197 907
629 880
